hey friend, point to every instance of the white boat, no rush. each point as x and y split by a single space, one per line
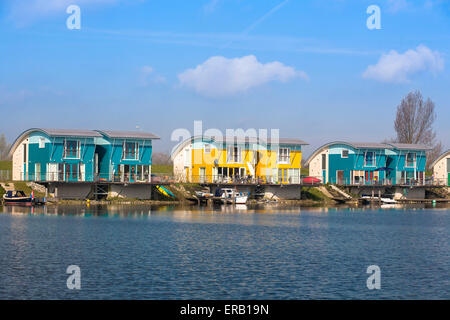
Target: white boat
376 199
228 194
388 201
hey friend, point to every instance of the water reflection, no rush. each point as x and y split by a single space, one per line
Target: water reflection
224 252
217 213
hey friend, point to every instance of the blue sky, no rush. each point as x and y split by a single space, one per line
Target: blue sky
309 68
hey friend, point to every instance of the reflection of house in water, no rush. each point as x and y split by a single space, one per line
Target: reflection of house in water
203 159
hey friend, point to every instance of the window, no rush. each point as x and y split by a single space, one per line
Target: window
284 155
207 148
324 161
369 159
410 159
130 150
345 153
41 143
234 154
71 149
448 165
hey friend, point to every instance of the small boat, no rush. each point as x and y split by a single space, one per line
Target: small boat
164 191
369 199
227 196
17 197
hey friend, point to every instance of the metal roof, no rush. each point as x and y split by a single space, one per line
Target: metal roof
369 145
128 134
408 146
257 140
68 132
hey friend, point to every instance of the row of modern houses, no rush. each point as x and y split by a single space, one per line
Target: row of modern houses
46 155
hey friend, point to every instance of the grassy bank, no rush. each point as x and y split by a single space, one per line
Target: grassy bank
162 169
6 165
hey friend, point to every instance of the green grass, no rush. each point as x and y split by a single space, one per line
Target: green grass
22 185
5 165
166 169
304 171
313 194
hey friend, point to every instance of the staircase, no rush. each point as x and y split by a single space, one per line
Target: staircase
342 193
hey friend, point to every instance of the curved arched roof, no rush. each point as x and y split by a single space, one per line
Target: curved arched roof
180 146
325 146
53 133
369 145
128 134
222 139
442 156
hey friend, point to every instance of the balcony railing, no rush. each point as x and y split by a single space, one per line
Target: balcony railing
101 177
250 179
391 182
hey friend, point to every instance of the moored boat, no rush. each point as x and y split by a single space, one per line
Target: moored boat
232 196
17 197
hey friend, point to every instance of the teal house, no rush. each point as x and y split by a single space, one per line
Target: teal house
124 156
82 156
346 163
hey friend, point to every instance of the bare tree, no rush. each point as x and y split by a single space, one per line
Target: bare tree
4 147
161 158
414 123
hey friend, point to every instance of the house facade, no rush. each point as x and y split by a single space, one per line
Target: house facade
239 160
345 163
441 169
81 156
124 156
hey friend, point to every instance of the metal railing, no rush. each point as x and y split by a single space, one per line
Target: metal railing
5 175
391 182
251 179
100 177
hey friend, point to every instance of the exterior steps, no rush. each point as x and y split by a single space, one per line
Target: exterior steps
342 193
325 192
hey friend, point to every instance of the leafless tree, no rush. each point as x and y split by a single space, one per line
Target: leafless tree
414 123
4 147
161 158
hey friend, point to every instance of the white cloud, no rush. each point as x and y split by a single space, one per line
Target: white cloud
148 75
219 76
399 67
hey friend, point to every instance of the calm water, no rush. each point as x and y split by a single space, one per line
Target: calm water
226 253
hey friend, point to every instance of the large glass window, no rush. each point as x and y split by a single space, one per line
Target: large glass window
410 159
369 159
72 149
233 154
284 155
130 150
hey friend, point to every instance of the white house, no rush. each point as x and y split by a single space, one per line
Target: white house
441 169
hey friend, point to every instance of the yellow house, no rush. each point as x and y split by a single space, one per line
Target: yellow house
203 159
